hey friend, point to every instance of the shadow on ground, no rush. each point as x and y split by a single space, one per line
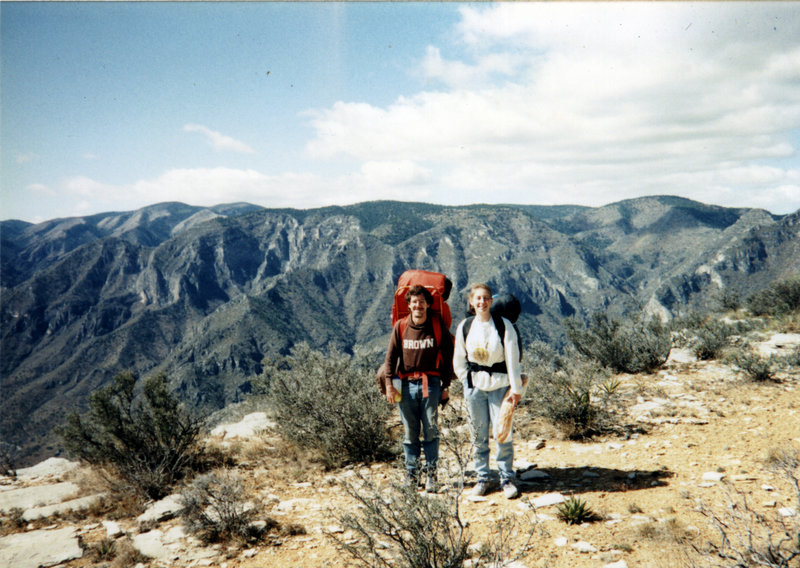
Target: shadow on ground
589 479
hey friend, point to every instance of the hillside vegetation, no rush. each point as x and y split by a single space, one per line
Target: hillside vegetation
205 295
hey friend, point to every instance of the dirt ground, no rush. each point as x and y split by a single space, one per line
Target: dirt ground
646 488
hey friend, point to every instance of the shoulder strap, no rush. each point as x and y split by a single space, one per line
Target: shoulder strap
403 325
467 326
500 325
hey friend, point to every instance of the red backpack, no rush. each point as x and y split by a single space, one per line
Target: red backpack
439 286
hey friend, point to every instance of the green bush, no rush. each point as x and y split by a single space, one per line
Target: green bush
729 300
712 339
573 392
780 298
150 441
640 346
215 508
756 367
328 403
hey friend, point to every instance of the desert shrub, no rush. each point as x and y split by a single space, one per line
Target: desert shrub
401 528
328 403
748 537
754 366
150 441
7 460
729 300
126 555
639 346
573 392
712 337
781 297
103 550
215 509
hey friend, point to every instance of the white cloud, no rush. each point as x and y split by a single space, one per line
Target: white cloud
39 188
463 75
399 173
219 141
615 100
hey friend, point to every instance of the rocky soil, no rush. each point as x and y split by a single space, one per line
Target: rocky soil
699 437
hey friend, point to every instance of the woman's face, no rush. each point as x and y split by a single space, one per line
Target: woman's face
481 301
418 306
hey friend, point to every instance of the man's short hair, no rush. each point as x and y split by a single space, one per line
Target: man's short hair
419 291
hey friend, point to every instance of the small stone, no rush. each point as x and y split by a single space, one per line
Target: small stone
713 476
787 512
548 500
162 510
767 488
617 564
584 547
561 541
476 498
113 529
533 474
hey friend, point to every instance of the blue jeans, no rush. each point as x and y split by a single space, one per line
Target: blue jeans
416 411
484 410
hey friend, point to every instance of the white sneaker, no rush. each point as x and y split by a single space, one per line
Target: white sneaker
510 490
479 489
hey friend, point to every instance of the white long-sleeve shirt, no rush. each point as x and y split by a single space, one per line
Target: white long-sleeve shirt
483 346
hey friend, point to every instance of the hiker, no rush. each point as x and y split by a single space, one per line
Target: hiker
424 367
489 367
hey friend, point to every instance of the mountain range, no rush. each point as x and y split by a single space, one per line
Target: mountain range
205 294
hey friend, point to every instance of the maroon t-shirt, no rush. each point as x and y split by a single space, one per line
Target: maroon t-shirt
417 351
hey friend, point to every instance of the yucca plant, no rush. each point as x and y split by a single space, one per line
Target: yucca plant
575 511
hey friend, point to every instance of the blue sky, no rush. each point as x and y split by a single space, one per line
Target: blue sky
114 106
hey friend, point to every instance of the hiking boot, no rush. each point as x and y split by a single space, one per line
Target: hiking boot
480 489
412 482
509 489
431 486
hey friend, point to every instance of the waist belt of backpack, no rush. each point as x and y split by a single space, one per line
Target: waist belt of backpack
474 367
419 376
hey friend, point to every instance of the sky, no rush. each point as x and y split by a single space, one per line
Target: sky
116 106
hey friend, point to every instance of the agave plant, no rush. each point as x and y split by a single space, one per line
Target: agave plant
574 511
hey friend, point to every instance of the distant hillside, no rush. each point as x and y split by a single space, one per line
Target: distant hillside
205 294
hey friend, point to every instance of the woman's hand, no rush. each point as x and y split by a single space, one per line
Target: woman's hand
514 398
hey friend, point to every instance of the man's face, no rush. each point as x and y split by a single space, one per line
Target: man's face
419 308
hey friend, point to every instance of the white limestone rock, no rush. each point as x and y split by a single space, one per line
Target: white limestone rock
37 496
39 548
248 427
162 510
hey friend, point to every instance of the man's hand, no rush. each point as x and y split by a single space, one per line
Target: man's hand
392 396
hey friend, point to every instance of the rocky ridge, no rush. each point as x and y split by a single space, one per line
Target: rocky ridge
205 294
